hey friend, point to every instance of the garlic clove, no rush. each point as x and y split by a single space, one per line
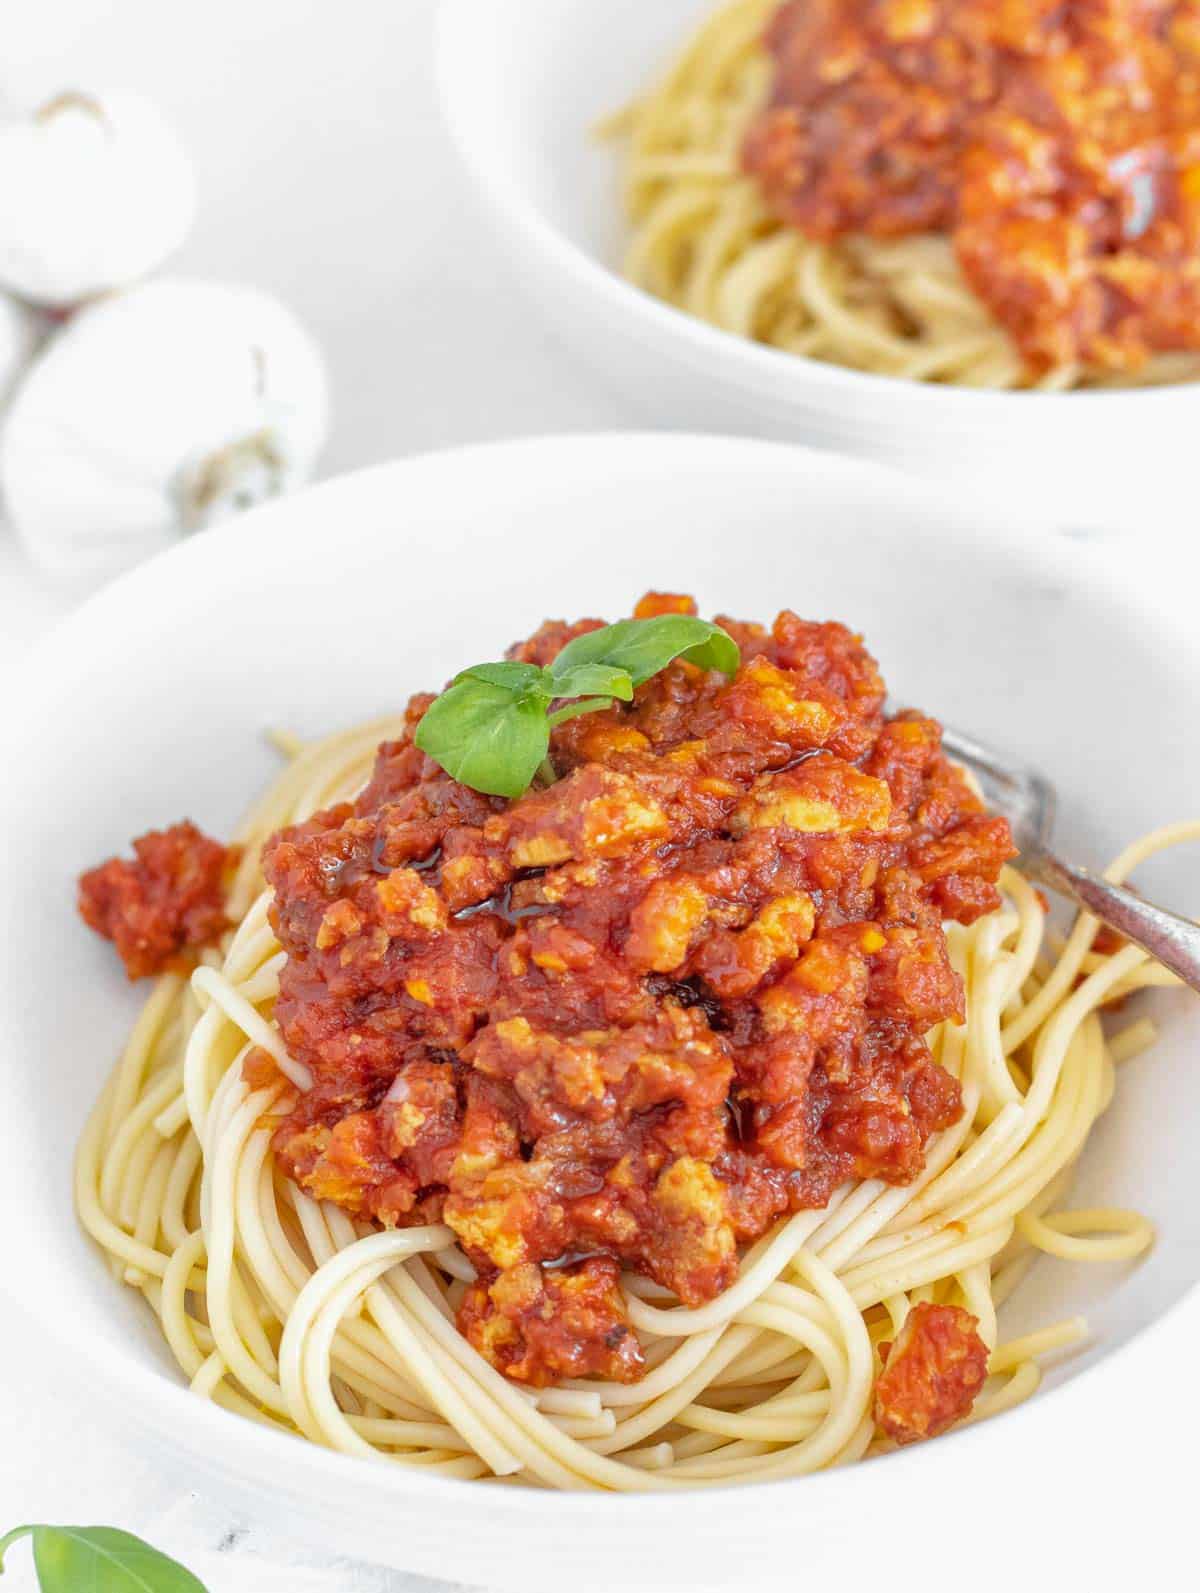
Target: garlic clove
95 193
154 413
21 331
245 472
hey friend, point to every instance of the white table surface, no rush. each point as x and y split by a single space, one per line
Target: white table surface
324 177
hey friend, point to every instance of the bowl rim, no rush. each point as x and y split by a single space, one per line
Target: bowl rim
217 1439
760 365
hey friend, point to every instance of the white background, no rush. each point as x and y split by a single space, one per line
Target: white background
324 177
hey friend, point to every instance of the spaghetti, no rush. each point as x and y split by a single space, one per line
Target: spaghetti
707 240
288 1311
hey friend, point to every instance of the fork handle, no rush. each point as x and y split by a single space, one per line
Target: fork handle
1170 940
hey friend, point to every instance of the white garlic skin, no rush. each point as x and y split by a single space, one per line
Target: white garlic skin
154 412
95 193
21 330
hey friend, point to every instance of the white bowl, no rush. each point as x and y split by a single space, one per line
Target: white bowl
523 82
331 607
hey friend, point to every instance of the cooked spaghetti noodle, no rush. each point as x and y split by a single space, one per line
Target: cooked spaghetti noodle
706 241
289 1312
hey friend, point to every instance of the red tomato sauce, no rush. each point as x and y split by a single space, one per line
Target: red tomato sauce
1057 142
931 1374
164 904
636 1016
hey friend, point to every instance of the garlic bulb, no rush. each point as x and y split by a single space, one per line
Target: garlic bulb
20 332
154 413
94 194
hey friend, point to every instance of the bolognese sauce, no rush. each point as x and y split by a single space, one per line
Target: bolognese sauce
632 1017
1056 141
165 903
931 1374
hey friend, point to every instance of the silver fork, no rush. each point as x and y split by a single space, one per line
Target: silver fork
1026 799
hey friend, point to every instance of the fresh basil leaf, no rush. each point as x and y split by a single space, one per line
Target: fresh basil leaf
520 679
485 736
575 710
491 727
592 680
100 1560
643 647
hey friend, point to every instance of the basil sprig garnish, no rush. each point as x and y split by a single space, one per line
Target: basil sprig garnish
491 727
100 1560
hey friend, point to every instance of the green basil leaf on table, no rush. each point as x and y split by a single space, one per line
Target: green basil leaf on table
487 736
100 1560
